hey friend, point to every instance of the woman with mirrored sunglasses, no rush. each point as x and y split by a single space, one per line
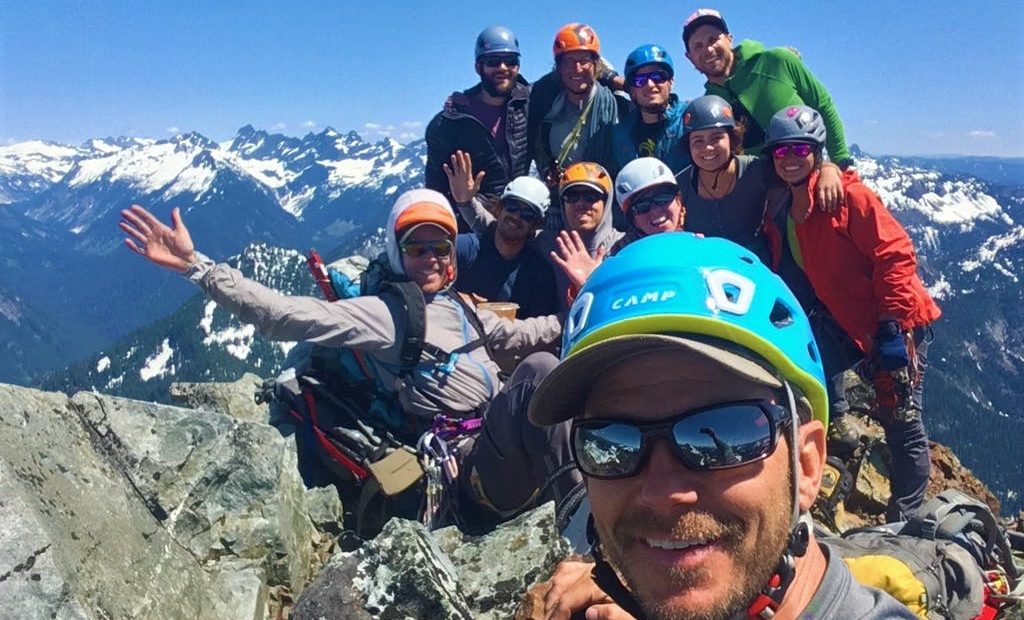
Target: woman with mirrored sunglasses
855 272
724 190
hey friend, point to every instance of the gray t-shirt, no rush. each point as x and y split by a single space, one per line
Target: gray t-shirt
840 597
738 215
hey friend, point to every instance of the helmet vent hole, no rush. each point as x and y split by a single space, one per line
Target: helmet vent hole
812 350
747 260
732 292
781 316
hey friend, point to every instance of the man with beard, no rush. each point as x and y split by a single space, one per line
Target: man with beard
577 126
654 128
500 264
698 412
488 121
758 82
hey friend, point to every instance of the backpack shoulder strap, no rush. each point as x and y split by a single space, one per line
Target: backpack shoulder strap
413 312
474 320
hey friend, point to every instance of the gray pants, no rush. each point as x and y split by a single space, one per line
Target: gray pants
514 465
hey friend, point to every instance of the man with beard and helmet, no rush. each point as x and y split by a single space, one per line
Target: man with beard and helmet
510 464
698 410
654 128
488 121
501 263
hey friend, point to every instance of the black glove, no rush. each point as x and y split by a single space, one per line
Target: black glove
890 346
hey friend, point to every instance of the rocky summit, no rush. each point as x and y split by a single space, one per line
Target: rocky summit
114 508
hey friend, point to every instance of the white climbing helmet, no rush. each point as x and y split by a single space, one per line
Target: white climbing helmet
529 190
640 174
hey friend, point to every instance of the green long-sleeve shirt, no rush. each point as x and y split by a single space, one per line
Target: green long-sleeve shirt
764 81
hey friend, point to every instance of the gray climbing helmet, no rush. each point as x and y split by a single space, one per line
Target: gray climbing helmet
496 40
708 112
798 123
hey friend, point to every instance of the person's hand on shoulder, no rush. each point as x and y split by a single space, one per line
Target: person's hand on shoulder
167 247
829 195
573 590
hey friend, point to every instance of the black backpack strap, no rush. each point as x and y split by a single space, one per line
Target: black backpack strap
413 310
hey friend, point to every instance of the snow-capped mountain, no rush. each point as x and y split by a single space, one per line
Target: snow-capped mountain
323 189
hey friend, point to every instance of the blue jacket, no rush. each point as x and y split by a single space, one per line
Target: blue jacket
668 147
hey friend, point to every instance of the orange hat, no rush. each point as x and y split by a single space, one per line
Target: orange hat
576 36
424 207
586 173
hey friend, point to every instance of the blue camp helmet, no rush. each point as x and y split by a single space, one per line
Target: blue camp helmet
710 291
649 54
496 40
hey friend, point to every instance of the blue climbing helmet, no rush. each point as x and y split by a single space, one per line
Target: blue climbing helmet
496 40
648 55
713 293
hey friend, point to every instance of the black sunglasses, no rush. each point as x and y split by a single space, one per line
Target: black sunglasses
526 212
416 249
659 76
586 195
493 62
718 437
659 199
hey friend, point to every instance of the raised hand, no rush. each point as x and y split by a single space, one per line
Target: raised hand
461 181
572 256
170 248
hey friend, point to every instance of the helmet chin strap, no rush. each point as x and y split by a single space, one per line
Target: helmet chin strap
766 603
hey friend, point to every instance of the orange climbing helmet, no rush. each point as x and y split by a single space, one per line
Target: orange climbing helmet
576 36
586 173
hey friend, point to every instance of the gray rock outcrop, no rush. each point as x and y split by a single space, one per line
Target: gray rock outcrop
406 572
113 508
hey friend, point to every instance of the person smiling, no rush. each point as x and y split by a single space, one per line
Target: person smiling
857 270
488 121
698 423
724 190
509 465
757 81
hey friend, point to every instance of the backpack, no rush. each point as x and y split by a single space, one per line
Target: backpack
951 561
351 430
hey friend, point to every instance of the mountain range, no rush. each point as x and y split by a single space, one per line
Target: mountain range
74 293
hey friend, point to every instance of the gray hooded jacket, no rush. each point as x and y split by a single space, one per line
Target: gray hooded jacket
370 324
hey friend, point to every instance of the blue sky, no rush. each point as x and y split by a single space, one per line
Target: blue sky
909 78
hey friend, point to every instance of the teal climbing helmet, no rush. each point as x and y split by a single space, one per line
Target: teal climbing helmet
715 296
648 55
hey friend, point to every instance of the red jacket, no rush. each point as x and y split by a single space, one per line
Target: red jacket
859 260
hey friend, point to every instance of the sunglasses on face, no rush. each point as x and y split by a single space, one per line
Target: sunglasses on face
493 62
586 195
800 149
416 249
658 77
525 212
644 204
718 437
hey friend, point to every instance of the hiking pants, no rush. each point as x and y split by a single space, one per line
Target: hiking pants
908 444
513 464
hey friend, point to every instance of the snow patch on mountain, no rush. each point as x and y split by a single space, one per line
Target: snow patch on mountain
990 252
156 365
45 159
942 200
103 364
